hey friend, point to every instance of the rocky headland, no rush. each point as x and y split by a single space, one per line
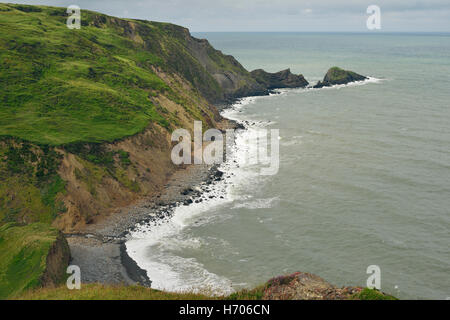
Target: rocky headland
278 80
96 171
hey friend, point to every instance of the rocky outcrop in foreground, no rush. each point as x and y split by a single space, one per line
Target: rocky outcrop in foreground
307 286
337 75
277 80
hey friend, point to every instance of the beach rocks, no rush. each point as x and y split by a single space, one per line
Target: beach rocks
218 175
337 75
187 191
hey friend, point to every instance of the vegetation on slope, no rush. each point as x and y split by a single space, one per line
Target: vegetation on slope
24 257
102 292
96 84
68 101
30 188
372 294
61 85
66 92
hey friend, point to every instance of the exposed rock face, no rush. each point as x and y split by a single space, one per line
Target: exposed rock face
337 75
281 79
231 78
57 260
225 77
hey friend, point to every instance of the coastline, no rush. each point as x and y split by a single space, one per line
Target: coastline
101 246
100 250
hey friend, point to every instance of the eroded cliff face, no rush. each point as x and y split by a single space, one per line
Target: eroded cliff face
57 260
219 77
101 104
31 256
96 190
233 79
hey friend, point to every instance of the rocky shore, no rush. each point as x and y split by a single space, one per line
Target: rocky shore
100 251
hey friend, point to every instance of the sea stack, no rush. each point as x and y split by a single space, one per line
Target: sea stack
337 75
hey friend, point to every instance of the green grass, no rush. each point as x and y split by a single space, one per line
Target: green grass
23 252
122 292
246 294
60 86
102 292
372 294
76 89
30 184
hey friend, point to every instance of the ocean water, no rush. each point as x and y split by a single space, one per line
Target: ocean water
364 175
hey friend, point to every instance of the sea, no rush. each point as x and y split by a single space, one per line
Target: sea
363 177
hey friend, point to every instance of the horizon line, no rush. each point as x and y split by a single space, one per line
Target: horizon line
359 32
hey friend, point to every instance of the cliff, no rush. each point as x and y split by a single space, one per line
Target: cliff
31 256
87 114
85 123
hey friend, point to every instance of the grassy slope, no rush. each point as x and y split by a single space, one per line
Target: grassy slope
61 86
66 87
70 87
102 292
93 84
23 252
30 187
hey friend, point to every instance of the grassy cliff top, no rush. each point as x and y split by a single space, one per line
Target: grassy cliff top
120 292
23 253
96 84
61 85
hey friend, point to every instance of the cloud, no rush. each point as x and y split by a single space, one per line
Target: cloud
280 15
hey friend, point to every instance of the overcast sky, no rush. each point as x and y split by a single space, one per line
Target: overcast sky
275 15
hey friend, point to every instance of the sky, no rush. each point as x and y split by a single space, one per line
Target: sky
276 15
